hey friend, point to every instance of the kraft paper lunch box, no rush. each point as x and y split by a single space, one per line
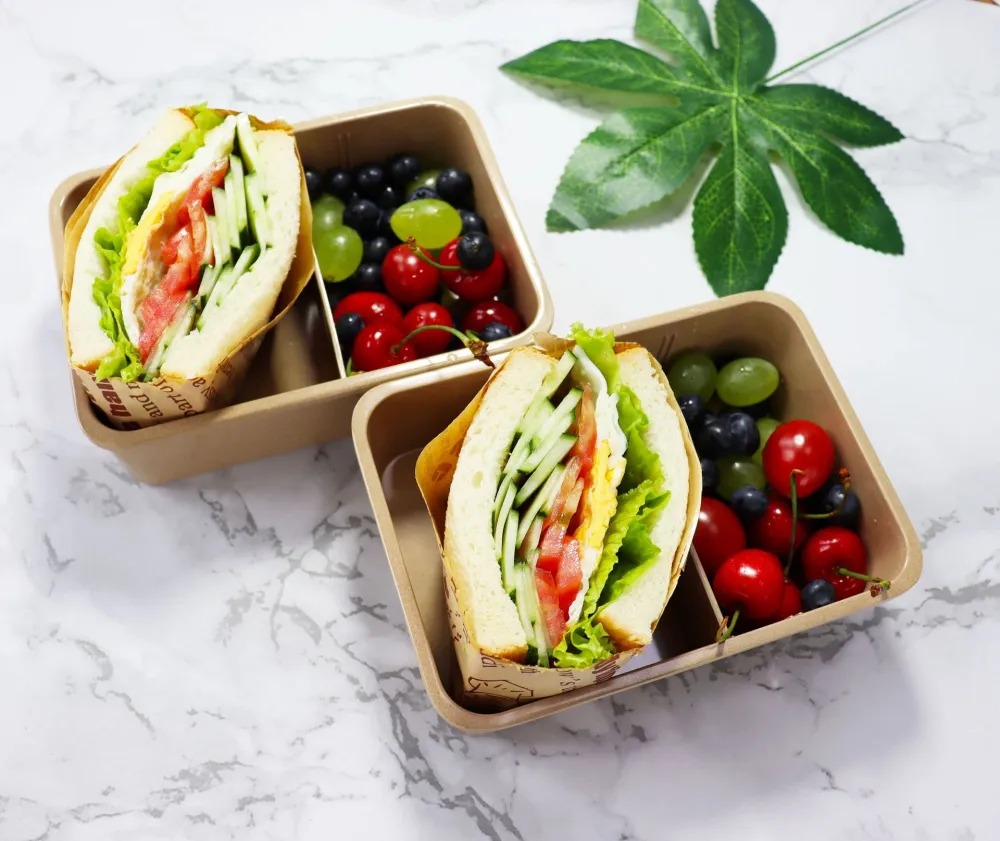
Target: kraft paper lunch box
296 392
759 323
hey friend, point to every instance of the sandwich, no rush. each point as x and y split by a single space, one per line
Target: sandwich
185 249
571 506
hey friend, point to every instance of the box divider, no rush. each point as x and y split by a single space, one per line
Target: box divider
330 323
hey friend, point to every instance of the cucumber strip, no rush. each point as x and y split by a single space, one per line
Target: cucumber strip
531 603
550 385
564 410
508 503
208 278
221 204
221 281
517 456
240 192
509 549
522 598
209 250
180 326
537 455
541 633
248 144
501 495
223 288
257 210
529 535
229 188
547 493
220 251
562 445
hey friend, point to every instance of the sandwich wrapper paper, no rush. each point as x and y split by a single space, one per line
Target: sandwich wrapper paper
136 405
491 683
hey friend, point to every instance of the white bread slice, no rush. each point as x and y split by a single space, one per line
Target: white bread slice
249 305
89 344
630 618
488 613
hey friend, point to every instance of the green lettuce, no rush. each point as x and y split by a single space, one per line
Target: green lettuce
585 644
637 551
124 361
599 345
641 463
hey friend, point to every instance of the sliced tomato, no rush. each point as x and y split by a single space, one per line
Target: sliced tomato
169 251
548 601
570 475
570 574
199 230
201 190
157 313
586 430
551 548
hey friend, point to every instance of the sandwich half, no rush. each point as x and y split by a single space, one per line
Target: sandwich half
186 247
568 510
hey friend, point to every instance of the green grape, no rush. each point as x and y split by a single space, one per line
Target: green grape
427 178
338 252
693 372
765 426
431 222
738 472
746 381
328 213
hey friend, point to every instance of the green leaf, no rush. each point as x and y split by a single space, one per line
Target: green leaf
599 345
637 552
680 28
603 64
634 158
740 220
746 43
837 189
642 463
815 108
583 645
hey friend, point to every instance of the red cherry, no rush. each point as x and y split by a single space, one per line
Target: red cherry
472 285
791 603
373 348
719 534
371 306
772 531
428 342
408 278
804 447
830 549
751 582
486 312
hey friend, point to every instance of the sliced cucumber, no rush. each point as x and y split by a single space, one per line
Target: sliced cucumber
509 550
180 326
547 495
222 280
537 455
501 521
564 410
523 599
501 495
257 211
208 278
220 246
529 534
517 455
532 559
550 385
221 203
241 268
248 143
240 192
229 190
556 453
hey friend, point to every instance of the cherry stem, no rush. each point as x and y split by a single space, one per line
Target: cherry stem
412 243
845 480
881 582
727 627
795 521
470 340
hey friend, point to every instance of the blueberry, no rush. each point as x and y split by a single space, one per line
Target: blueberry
363 216
376 250
339 183
475 252
757 410
714 440
709 476
403 168
849 516
314 182
422 193
818 593
693 409
368 278
454 185
370 180
384 228
348 327
744 433
749 502
471 221
494 331
387 197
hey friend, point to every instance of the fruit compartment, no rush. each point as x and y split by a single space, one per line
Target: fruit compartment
296 393
759 323
439 134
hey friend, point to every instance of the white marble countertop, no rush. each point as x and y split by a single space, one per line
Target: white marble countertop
226 657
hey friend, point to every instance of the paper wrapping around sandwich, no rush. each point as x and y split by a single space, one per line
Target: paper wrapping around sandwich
139 404
488 682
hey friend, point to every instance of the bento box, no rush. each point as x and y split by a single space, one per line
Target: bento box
297 392
760 324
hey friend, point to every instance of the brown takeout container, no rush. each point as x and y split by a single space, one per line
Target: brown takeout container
761 324
296 392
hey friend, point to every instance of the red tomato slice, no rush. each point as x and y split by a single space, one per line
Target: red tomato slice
168 253
586 430
199 231
551 549
570 575
201 190
157 315
570 475
548 602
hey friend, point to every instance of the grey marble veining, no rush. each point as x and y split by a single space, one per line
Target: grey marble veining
226 657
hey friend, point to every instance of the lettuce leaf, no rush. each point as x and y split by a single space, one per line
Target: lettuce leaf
585 644
637 551
641 463
599 345
124 361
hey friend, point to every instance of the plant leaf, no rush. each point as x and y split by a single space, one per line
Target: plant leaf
746 44
837 189
635 157
740 220
604 64
815 108
680 28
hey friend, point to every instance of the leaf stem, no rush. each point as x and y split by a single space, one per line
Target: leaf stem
844 41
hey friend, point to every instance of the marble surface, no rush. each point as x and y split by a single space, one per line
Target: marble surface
226 657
